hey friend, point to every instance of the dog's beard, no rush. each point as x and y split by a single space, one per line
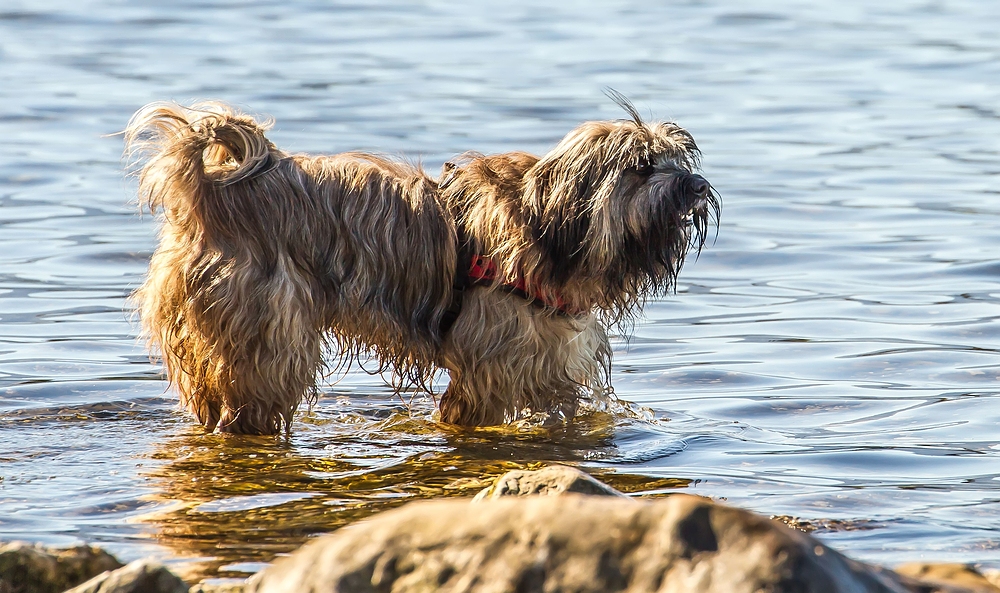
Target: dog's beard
666 220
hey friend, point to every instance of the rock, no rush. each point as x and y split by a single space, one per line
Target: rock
37 569
141 576
218 588
572 543
950 575
550 481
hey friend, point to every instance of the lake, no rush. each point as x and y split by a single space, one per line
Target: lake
831 358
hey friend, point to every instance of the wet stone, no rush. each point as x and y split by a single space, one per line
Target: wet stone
550 481
573 543
952 575
217 588
141 576
827 525
36 569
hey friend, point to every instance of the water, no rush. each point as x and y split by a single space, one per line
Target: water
832 358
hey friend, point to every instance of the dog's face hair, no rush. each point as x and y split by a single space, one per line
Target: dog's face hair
603 221
614 209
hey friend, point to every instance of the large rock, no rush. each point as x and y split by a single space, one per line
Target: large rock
551 481
572 543
141 576
36 569
952 575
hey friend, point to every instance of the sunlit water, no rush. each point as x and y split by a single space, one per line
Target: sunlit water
832 357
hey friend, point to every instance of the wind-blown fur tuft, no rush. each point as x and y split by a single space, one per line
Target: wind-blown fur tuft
268 260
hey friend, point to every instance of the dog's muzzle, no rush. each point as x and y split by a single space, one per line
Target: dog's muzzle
697 189
698 186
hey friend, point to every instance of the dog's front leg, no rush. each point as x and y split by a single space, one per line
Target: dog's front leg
508 357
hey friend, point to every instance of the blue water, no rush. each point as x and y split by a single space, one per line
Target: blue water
831 358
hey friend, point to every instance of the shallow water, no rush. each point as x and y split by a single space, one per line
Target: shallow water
831 358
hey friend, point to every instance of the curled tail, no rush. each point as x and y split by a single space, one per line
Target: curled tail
223 304
186 149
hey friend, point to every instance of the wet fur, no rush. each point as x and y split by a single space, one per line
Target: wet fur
271 263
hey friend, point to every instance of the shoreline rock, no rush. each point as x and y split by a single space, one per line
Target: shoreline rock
29 567
576 543
552 480
554 529
141 576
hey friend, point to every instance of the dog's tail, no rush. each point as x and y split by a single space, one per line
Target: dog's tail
186 150
236 335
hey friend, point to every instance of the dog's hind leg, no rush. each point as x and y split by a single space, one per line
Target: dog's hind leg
267 346
227 301
241 342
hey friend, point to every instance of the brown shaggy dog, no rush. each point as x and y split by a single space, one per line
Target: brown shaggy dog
506 271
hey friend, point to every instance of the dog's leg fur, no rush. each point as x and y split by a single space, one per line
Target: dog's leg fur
507 356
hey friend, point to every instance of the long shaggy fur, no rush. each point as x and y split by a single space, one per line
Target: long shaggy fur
269 260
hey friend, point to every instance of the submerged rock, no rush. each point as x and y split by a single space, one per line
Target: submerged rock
551 481
37 569
141 576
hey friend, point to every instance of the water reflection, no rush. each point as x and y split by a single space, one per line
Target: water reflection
232 500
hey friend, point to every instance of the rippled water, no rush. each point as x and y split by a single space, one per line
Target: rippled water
831 358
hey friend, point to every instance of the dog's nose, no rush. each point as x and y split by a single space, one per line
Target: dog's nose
699 186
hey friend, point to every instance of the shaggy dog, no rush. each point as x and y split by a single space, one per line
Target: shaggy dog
506 271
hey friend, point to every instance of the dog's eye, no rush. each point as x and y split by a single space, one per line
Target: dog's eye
645 169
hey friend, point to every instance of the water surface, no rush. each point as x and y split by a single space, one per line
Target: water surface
831 358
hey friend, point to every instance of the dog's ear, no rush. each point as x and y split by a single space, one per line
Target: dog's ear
558 196
569 192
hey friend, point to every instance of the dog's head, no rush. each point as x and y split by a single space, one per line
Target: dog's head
615 207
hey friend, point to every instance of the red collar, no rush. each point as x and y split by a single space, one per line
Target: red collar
484 271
